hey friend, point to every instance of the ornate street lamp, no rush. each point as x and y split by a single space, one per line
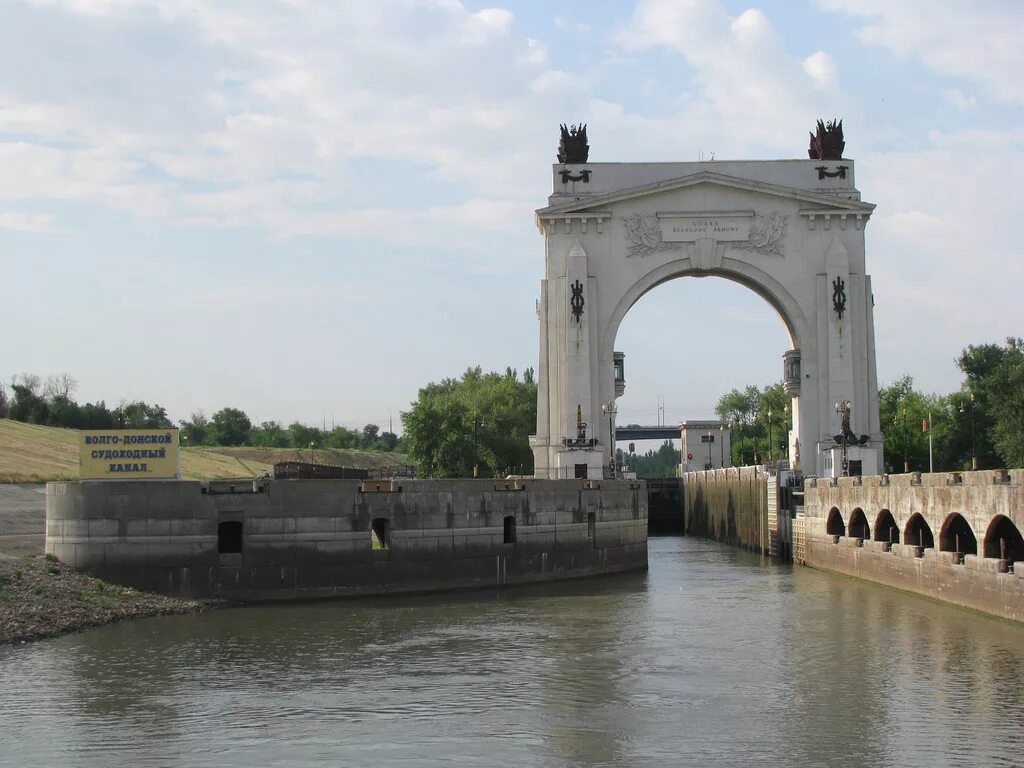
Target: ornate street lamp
609 410
974 452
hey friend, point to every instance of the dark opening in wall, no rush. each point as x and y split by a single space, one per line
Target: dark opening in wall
858 526
956 536
591 526
834 525
380 533
581 471
229 537
918 533
510 529
886 528
1003 540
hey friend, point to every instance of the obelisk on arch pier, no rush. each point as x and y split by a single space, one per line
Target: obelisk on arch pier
790 230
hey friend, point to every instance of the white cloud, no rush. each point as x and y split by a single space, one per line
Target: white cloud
979 40
741 64
26 222
822 69
956 98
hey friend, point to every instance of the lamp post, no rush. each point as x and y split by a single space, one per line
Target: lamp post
785 423
771 452
476 437
711 440
974 453
843 409
311 460
609 410
906 440
721 444
739 443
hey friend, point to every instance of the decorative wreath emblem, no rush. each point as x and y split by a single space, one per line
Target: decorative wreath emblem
576 302
839 297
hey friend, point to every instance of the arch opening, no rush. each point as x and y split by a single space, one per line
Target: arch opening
688 343
918 533
858 526
1003 540
380 533
956 536
886 528
834 525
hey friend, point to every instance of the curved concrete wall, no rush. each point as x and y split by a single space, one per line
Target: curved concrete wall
307 538
987 584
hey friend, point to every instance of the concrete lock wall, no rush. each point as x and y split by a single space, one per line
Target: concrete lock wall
898 553
728 505
307 538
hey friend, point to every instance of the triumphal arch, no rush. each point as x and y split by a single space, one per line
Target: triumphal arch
790 230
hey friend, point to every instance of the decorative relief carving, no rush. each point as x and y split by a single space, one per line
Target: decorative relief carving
583 176
766 234
825 173
643 236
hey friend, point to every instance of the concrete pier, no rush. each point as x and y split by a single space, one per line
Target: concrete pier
263 539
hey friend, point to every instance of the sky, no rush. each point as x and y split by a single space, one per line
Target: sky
309 209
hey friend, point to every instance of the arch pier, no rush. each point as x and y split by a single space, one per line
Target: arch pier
954 537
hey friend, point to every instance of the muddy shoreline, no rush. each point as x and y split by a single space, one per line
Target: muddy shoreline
41 597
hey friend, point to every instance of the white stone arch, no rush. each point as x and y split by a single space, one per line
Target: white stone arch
742 273
613 232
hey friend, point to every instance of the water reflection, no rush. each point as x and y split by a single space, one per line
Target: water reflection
713 657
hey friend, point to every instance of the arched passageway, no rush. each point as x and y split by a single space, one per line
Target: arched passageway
1003 540
956 536
858 526
886 528
918 532
834 525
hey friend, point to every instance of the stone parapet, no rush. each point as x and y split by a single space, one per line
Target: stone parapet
950 536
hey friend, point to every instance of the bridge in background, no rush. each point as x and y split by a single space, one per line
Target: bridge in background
636 432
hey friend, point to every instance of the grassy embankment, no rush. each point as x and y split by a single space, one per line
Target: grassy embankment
33 454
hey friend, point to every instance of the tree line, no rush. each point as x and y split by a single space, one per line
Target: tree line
50 402
476 425
981 423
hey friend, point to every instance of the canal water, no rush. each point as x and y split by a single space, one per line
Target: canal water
713 657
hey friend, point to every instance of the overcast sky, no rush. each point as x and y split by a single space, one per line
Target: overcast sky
308 209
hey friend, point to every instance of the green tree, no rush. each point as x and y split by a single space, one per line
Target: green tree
140 415
747 412
481 420
369 435
342 438
1005 390
230 426
653 464
989 408
96 416
300 436
4 401
269 434
27 401
196 430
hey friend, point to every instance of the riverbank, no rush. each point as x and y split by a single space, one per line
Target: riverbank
41 597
